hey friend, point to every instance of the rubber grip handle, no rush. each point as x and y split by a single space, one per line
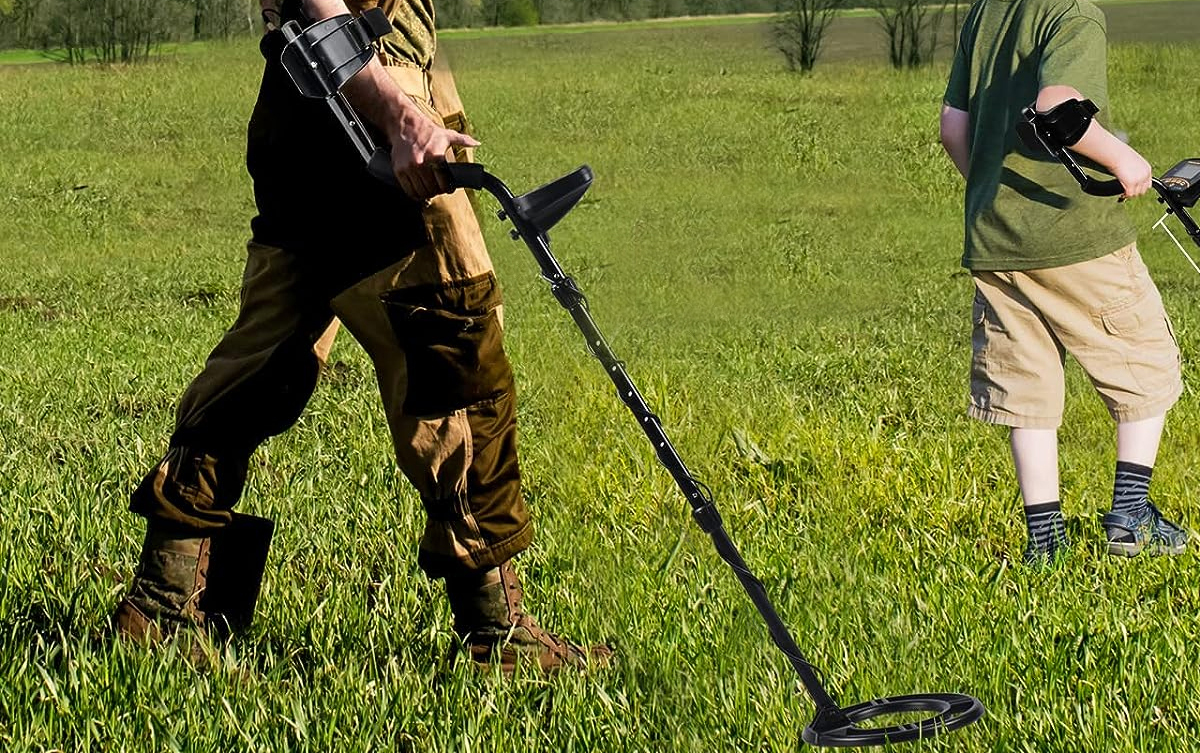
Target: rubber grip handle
1095 187
464 175
458 174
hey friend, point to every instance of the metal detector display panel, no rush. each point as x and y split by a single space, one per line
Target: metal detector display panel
1183 180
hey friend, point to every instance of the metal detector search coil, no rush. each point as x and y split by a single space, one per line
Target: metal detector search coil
533 214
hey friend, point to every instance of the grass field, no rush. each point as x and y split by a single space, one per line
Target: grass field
776 259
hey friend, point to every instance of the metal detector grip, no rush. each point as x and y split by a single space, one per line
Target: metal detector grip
1094 187
464 175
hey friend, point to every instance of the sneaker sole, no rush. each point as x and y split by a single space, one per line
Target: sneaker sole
1128 549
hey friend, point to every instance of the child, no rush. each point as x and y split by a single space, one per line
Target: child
1055 270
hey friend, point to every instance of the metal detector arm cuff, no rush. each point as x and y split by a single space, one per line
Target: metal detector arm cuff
1066 122
1061 127
323 57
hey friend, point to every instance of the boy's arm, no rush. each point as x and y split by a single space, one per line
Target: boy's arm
955 127
1102 147
417 142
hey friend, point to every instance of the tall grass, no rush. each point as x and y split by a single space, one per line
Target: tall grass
776 259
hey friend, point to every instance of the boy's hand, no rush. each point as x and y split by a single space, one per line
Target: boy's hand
1133 171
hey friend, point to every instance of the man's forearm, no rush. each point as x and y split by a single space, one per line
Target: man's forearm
372 91
417 143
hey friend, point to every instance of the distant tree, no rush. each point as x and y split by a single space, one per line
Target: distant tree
110 31
458 14
801 29
509 13
222 18
911 27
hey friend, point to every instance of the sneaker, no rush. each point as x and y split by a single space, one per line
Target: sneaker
495 630
1129 535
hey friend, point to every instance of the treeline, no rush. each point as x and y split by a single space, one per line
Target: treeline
118 30
126 30
79 31
460 13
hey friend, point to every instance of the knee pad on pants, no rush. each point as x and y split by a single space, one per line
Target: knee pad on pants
452 342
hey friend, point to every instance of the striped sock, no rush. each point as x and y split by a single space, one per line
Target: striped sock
1047 531
1131 489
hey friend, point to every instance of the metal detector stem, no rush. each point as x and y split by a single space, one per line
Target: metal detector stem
703 510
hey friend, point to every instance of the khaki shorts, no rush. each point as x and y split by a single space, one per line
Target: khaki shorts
1105 312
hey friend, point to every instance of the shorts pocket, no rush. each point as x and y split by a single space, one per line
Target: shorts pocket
1126 316
979 329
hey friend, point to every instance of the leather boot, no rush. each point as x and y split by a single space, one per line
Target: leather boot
494 627
165 594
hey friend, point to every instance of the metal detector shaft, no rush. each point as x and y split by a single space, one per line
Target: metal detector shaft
703 510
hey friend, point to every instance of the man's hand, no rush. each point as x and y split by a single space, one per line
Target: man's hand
418 143
419 146
1100 146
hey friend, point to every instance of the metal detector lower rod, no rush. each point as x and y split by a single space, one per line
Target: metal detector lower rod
700 499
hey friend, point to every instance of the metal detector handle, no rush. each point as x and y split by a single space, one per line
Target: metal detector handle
464 175
1094 187
458 174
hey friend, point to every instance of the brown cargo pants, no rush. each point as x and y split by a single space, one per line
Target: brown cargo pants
413 285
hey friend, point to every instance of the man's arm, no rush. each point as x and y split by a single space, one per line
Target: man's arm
418 144
1102 147
956 125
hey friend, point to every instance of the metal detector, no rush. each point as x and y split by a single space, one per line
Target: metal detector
533 214
1063 126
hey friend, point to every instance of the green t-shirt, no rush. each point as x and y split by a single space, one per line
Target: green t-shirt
1023 209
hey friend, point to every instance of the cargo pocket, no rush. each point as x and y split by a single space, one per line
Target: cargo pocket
983 386
979 334
1144 336
452 343
1124 317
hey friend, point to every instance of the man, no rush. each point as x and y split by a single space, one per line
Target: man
330 240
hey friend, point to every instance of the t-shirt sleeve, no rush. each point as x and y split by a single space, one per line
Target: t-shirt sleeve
1075 55
958 89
